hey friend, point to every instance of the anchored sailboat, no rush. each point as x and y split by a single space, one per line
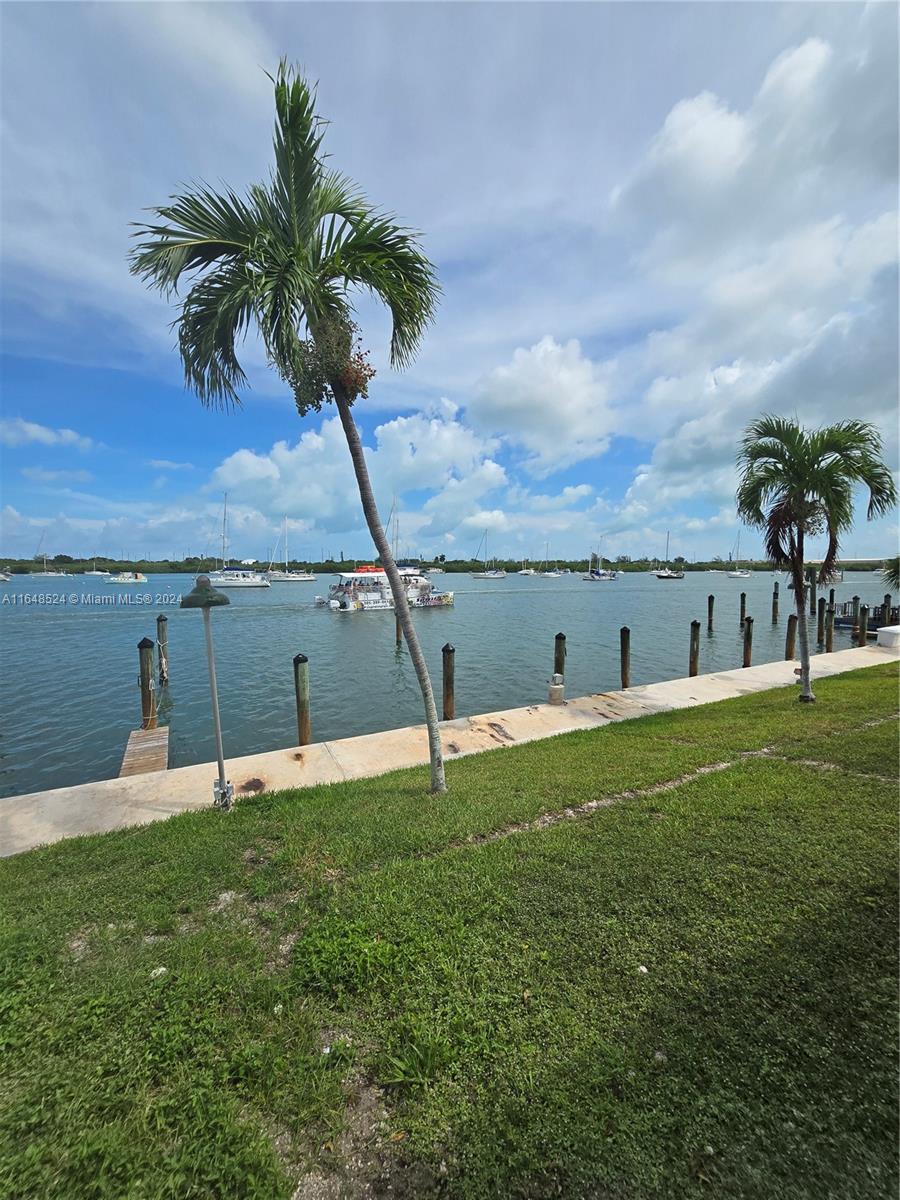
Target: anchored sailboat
666 572
234 577
287 575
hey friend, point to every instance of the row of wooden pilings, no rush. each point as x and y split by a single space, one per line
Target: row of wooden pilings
824 614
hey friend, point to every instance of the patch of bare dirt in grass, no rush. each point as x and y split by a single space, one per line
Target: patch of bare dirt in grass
359 1162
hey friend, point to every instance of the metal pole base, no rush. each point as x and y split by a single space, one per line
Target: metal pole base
223 796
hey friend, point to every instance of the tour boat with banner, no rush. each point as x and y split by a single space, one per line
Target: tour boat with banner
367 590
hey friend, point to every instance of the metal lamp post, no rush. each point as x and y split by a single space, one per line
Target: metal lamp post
204 596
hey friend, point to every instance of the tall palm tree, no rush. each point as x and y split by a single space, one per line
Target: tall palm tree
891 572
797 483
286 258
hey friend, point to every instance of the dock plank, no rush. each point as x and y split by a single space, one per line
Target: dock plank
147 750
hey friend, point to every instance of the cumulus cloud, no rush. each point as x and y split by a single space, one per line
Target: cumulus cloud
15 431
550 400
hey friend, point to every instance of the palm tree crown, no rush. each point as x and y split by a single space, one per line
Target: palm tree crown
796 482
283 257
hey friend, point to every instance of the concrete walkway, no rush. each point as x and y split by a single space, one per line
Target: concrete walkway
40 817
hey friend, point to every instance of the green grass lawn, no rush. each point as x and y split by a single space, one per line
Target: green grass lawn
359 990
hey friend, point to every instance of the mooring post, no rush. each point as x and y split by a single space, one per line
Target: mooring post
775 603
855 634
812 591
449 654
559 654
886 609
625 655
831 597
743 606
863 625
710 605
301 692
748 641
790 641
694 656
148 687
162 643
398 632
829 630
820 622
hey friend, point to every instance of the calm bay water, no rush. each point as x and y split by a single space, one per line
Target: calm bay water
69 694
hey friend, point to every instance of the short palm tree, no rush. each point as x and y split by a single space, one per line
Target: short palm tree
796 483
285 258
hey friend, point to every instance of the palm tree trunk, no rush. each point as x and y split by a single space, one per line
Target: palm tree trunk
806 693
376 529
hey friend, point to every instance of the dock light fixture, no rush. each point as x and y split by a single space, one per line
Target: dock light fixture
204 596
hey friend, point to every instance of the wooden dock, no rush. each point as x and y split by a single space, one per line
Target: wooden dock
147 750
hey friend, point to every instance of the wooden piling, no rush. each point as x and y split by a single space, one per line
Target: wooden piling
831 597
748 641
790 641
812 591
694 655
820 622
301 693
829 629
743 606
559 654
886 609
148 686
449 657
162 644
863 639
710 605
625 655
855 634
775 603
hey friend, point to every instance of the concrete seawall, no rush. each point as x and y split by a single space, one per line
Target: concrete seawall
37 818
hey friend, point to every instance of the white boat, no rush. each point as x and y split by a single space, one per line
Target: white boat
739 572
45 574
287 575
666 572
488 572
599 574
98 574
233 577
555 573
127 577
237 577
4 578
367 590
433 570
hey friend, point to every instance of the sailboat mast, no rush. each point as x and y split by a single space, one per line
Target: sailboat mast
667 547
285 543
224 530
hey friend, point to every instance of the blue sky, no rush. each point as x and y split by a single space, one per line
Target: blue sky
650 221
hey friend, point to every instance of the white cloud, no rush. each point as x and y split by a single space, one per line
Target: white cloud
550 400
15 431
164 464
39 475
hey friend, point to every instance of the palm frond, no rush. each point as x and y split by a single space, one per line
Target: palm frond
216 312
384 258
200 228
